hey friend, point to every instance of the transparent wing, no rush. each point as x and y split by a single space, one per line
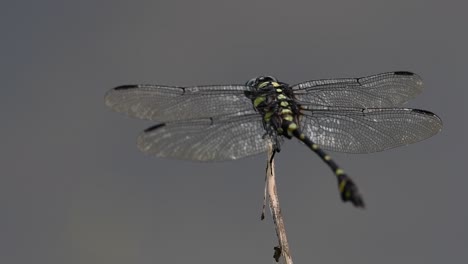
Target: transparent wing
169 103
390 89
209 139
368 130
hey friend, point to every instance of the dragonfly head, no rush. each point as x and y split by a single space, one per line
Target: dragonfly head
261 81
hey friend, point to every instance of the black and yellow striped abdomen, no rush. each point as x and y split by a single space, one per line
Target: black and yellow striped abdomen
346 186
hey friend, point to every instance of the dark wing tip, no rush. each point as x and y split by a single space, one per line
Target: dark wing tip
407 73
126 87
151 128
431 114
424 112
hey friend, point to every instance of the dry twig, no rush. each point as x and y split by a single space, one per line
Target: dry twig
283 249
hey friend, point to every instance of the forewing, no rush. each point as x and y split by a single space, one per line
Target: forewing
368 130
210 139
169 103
390 89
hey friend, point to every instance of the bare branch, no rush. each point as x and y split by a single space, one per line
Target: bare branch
283 249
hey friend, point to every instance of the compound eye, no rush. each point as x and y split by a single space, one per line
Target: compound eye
251 82
255 81
260 79
271 78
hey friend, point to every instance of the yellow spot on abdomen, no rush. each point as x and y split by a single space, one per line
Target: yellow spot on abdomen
339 172
284 103
301 136
342 186
292 127
327 158
315 146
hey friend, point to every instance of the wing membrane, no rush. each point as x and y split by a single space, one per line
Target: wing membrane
368 130
390 89
210 139
169 103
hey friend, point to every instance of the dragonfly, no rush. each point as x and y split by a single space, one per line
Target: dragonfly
229 122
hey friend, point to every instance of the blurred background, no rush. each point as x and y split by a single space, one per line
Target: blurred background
75 189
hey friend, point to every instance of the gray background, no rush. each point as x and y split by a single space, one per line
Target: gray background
75 189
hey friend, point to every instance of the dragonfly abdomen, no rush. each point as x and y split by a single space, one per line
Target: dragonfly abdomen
346 186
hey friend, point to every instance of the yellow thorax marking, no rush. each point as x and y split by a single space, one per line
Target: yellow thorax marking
284 103
275 84
288 117
268 115
286 111
263 84
259 100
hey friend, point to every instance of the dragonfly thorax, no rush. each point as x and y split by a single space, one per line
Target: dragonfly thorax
275 103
